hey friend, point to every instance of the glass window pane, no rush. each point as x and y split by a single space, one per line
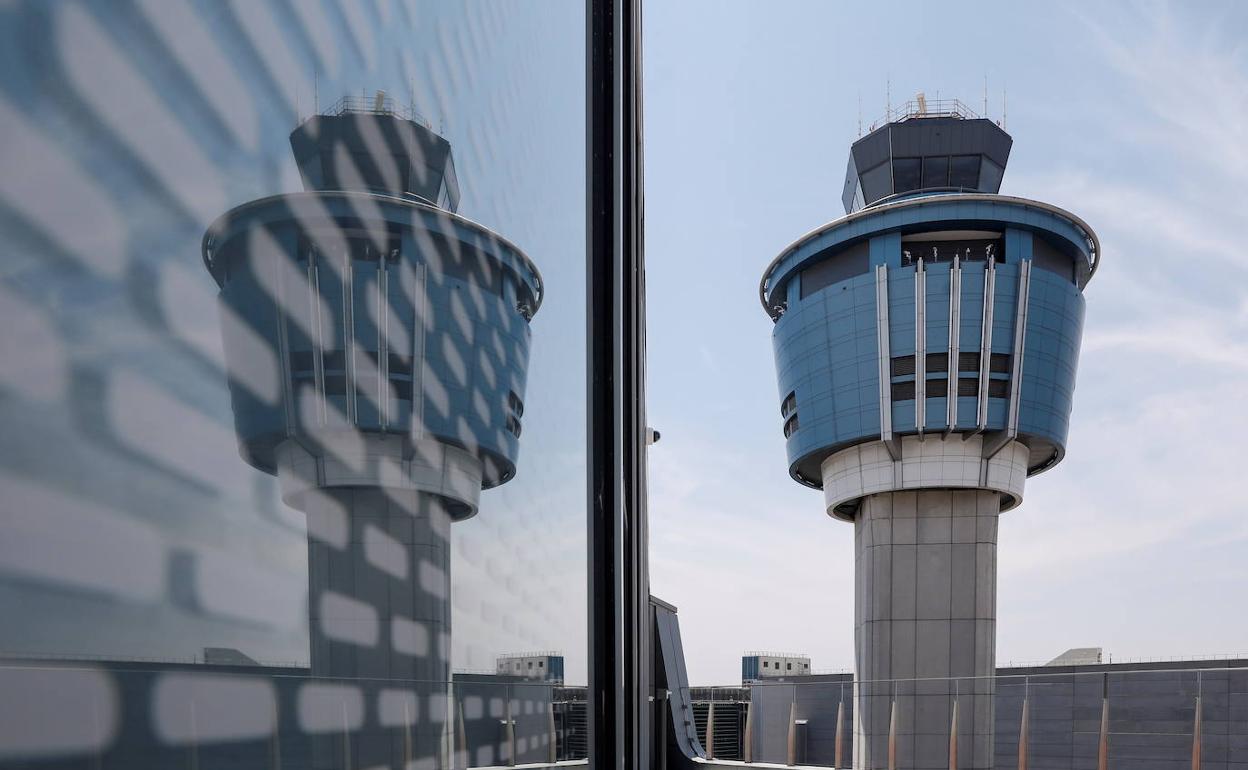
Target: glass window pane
875 183
990 176
964 171
294 390
936 171
906 174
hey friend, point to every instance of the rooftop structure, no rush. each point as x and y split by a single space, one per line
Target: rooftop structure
926 346
769 665
399 335
539 666
924 145
1078 656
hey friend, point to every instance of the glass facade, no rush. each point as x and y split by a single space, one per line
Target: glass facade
290 453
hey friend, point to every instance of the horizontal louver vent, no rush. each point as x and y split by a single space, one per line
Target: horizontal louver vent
903 365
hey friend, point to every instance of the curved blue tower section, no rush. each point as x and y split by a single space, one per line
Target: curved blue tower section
396 327
377 345
993 283
388 317
926 346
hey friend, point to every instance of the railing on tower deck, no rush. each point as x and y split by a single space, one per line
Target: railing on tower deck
921 107
379 104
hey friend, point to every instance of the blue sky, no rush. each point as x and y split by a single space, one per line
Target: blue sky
1133 117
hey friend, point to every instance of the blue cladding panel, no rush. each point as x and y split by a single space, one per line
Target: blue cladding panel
936 411
886 250
248 302
826 354
749 668
937 310
972 307
1050 356
1004 308
901 312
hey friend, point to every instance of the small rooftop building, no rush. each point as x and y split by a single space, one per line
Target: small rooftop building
539 666
770 665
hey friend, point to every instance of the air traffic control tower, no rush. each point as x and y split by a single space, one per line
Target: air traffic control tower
926 346
377 346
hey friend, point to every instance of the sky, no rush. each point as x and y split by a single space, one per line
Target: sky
1131 116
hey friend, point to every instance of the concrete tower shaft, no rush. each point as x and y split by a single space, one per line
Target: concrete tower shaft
926 347
377 347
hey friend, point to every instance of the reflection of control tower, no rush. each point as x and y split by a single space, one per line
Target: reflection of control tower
925 347
399 335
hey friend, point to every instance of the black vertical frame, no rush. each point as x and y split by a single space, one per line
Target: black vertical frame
619 627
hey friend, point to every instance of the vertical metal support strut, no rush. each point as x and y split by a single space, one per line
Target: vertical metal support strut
837 756
985 344
421 314
1102 744
955 332
318 335
1024 724
618 710
881 336
920 347
383 345
284 368
348 333
1020 338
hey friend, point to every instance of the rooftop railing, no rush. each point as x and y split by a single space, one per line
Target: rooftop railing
922 107
379 104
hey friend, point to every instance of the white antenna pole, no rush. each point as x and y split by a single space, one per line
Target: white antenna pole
860 114
888 99
316 92
985 94
1004 123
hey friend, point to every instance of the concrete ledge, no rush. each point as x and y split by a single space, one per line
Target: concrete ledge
931 463
353 459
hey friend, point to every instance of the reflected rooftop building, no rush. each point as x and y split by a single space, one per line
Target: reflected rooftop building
399 334
926 346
